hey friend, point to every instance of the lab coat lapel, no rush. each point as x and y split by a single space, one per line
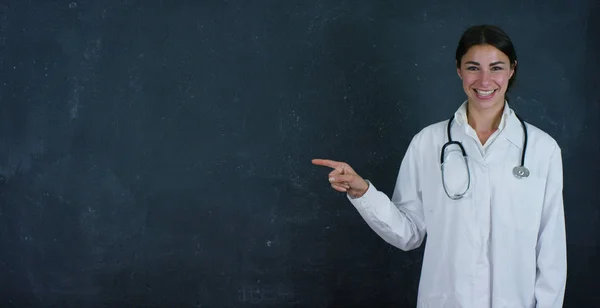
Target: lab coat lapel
514 130
460 133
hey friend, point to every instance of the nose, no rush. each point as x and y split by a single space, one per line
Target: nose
485 78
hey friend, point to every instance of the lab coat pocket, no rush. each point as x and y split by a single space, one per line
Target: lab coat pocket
524 199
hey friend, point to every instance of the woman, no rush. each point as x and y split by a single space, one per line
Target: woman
494 219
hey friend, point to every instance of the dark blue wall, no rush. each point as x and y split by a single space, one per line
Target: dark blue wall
157 153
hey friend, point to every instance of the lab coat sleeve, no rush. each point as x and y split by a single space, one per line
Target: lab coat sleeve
551 247
398 221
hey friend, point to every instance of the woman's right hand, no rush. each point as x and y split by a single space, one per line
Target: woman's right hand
343 178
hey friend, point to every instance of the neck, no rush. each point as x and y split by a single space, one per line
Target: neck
484 121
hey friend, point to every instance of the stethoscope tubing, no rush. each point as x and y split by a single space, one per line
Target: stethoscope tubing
518 171
464 153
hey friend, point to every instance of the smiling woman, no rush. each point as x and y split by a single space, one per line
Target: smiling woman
486 62
495 227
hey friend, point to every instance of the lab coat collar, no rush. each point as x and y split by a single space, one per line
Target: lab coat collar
514 130
510 126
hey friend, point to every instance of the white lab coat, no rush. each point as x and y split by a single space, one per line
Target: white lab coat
502 245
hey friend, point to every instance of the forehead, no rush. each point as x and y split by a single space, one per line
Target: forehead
484 54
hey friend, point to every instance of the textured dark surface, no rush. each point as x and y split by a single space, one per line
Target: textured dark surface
157 153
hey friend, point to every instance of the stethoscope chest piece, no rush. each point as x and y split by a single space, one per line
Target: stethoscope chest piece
520 172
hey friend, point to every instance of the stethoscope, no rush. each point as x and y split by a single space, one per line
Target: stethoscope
518 171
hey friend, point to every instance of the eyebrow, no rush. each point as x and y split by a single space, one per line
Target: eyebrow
491 64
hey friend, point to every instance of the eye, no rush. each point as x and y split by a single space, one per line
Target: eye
472 68
496 68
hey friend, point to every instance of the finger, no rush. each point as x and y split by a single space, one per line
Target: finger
335 173
334 176
327 163
347 169
339 188
342 178
344 185
344 170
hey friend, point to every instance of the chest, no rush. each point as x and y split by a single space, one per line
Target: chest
489 191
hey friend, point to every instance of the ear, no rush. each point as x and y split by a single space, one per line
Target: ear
458 70
512 69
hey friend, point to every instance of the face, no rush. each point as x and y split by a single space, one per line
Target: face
485 72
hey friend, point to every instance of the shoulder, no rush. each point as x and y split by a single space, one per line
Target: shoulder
431 134
540 139
544 154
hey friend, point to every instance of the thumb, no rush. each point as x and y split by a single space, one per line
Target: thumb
346 169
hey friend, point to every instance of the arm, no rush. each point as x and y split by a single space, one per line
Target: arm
551 247
399 221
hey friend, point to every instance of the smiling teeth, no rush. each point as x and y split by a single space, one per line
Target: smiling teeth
485 93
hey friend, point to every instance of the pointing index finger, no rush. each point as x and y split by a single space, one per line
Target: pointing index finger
327 163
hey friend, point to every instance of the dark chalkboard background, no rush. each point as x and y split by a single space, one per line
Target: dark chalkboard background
157 153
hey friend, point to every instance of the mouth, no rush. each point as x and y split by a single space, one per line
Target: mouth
484 94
